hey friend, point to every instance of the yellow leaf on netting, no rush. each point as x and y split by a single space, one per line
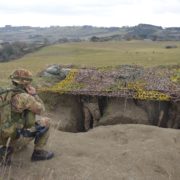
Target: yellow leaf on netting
151 95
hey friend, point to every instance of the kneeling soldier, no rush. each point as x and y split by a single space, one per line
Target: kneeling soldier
26 104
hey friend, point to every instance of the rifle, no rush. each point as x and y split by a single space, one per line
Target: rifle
37 134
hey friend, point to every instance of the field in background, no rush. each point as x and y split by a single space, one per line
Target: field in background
145 53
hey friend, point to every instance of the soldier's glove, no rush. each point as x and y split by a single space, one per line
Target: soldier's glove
37 134
18 133
25 133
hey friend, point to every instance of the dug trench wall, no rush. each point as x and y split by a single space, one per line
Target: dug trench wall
69 115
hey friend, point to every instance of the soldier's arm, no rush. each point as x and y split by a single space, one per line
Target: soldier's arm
23 101
38 99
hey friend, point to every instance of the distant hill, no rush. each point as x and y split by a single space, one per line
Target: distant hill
143 31
55 34
15 42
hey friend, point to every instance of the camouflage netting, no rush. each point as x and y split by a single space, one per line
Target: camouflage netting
155 83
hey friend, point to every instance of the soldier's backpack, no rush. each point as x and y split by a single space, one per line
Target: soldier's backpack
5 110
7 126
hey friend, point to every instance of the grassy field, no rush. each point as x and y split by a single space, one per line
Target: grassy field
143 53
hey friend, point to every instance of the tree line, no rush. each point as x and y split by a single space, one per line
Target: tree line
15 50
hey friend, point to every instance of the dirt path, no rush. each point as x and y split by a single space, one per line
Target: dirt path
127 152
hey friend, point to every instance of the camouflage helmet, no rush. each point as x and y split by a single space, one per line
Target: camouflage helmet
21 76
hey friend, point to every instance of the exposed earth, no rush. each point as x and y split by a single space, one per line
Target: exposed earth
127 152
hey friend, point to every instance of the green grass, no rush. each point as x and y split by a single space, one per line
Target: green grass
96 54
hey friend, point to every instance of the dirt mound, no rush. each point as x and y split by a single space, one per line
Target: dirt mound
135 152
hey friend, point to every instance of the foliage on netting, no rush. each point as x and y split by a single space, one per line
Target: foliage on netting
131 81
176 76
141 93
151 95
68 84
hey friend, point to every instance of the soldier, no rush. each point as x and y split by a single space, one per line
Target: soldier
26 104
91 112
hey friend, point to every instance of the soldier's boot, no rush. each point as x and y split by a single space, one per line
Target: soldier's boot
39 155
6 155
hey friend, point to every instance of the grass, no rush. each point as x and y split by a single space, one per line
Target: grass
96 54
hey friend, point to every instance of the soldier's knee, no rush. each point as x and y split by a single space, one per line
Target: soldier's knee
44 121
47 122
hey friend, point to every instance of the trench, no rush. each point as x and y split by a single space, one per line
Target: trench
77 113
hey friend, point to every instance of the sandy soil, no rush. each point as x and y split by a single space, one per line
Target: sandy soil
119 152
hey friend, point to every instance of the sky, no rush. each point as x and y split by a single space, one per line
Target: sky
101 13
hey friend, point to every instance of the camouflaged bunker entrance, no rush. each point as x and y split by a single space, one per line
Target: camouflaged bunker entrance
83 98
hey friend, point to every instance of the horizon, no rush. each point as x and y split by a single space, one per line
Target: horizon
86 25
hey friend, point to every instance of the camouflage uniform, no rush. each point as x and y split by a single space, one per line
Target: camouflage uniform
91 112
25 107
20 103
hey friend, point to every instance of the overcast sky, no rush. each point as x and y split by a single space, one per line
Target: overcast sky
107 13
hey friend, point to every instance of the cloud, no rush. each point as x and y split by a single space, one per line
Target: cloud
173 9
45 8
92 12
164 6
63 7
